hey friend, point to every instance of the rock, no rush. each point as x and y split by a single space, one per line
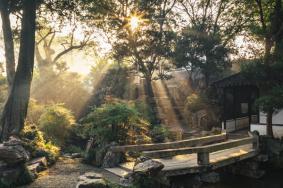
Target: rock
92 183
67 155
248 168
111 159
149 167
141 160
90 175
3 165
91 180
13 152
9 176
37 165
15 176
126 182
211 177
76 155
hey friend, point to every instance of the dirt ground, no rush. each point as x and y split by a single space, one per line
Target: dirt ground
65 173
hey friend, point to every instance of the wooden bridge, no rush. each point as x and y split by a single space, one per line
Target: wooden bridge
192 156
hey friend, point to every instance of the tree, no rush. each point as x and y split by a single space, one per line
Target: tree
206 41
47 42
199 50
15 109
5 10
266 24
269 78
148 44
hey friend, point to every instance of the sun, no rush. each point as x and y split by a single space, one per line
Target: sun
134 22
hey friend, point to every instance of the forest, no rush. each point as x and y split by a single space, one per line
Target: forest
84 81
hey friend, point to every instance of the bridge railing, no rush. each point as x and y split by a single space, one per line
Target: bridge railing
171 145
204 151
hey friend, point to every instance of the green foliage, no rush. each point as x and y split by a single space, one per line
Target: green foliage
107 82
145 110
272 101
115 122
153 38
198 49
73 149
159 134
270 79
56 123
37 145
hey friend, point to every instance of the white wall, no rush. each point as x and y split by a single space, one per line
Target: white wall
277 130
276 119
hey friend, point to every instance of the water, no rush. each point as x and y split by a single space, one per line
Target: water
272 179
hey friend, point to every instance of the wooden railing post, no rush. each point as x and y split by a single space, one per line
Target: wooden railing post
255 142
203 158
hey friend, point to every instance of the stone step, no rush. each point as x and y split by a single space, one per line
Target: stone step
120 172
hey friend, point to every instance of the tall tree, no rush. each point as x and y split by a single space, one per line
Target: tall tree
205 42
267 25
5 10
15 109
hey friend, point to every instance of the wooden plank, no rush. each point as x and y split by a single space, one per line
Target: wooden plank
199 149
169 145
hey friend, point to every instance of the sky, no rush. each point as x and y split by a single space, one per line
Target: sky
81 63
76 60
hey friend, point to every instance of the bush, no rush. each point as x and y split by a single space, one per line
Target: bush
37 145
56 123
159 134
115 122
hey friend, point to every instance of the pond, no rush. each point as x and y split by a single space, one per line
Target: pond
272 179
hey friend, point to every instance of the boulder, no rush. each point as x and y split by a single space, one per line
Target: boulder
141 160
91 180
37 165
14 176
90 175
111 159
149 167
76 155
92 183
13 152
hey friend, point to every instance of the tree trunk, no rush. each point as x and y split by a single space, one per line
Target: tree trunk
8 41
269 129
151 100
15 109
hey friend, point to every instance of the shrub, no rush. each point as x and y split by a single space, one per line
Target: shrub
37 145
56 123
159 134
115 122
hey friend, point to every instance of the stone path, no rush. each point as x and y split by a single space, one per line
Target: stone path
65 173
